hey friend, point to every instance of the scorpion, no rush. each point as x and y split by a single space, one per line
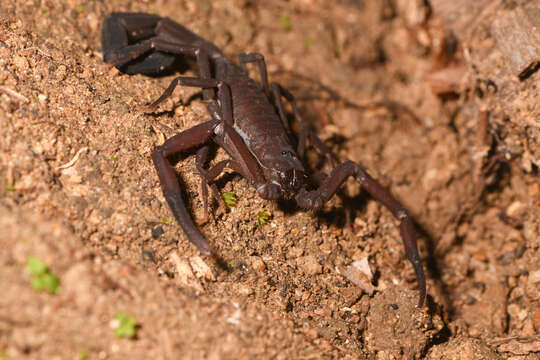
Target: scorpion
248 121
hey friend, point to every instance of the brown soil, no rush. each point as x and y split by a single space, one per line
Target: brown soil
431 106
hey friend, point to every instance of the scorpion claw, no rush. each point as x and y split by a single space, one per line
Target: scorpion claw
310 200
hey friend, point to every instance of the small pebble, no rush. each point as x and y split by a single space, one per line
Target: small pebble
148 255
157 231
309 265
534 277
258 264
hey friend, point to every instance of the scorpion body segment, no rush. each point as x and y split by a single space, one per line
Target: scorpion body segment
248 122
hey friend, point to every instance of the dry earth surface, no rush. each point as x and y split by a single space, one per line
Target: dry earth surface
430 99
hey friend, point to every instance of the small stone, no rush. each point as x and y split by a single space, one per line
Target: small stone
61 72
185 276
257 264
359 273
244 290
534 277
148 255
201 269
515 209
21 63
309 265
294 252
157 231
522 314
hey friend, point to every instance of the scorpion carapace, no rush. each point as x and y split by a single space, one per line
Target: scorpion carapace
248 121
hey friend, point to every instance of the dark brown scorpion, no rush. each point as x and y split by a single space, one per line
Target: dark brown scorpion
248 121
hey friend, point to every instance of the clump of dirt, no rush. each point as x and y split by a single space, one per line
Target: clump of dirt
431 102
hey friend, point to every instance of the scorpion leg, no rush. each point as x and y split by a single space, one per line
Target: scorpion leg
169 183
278 91
211 174
223 112
222 133
208 176
316 198
187 139
258 58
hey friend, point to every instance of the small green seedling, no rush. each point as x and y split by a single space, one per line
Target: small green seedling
285 21
262 218
83 354
229 198
42 278
127 326
164 220
10 187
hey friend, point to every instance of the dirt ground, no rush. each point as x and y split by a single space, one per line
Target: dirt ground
433 105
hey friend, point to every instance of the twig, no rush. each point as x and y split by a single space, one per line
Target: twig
74 160
14 94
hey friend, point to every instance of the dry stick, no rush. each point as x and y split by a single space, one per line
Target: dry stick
74 160
14 94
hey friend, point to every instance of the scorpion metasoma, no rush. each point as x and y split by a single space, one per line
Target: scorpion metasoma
248 121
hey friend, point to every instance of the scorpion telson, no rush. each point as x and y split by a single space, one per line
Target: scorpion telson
257 138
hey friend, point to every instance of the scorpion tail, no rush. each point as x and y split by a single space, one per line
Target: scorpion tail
134 43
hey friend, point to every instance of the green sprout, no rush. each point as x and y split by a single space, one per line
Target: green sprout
309 42
79 9
42 278
10 187
229 198
164 220
262 218
127 326
83 354
285 21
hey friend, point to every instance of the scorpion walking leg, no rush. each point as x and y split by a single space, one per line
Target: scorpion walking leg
211 174
259 59
208 176
169 183
316 198
222 112
278 91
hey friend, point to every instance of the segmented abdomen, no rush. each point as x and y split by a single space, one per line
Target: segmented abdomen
255 118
